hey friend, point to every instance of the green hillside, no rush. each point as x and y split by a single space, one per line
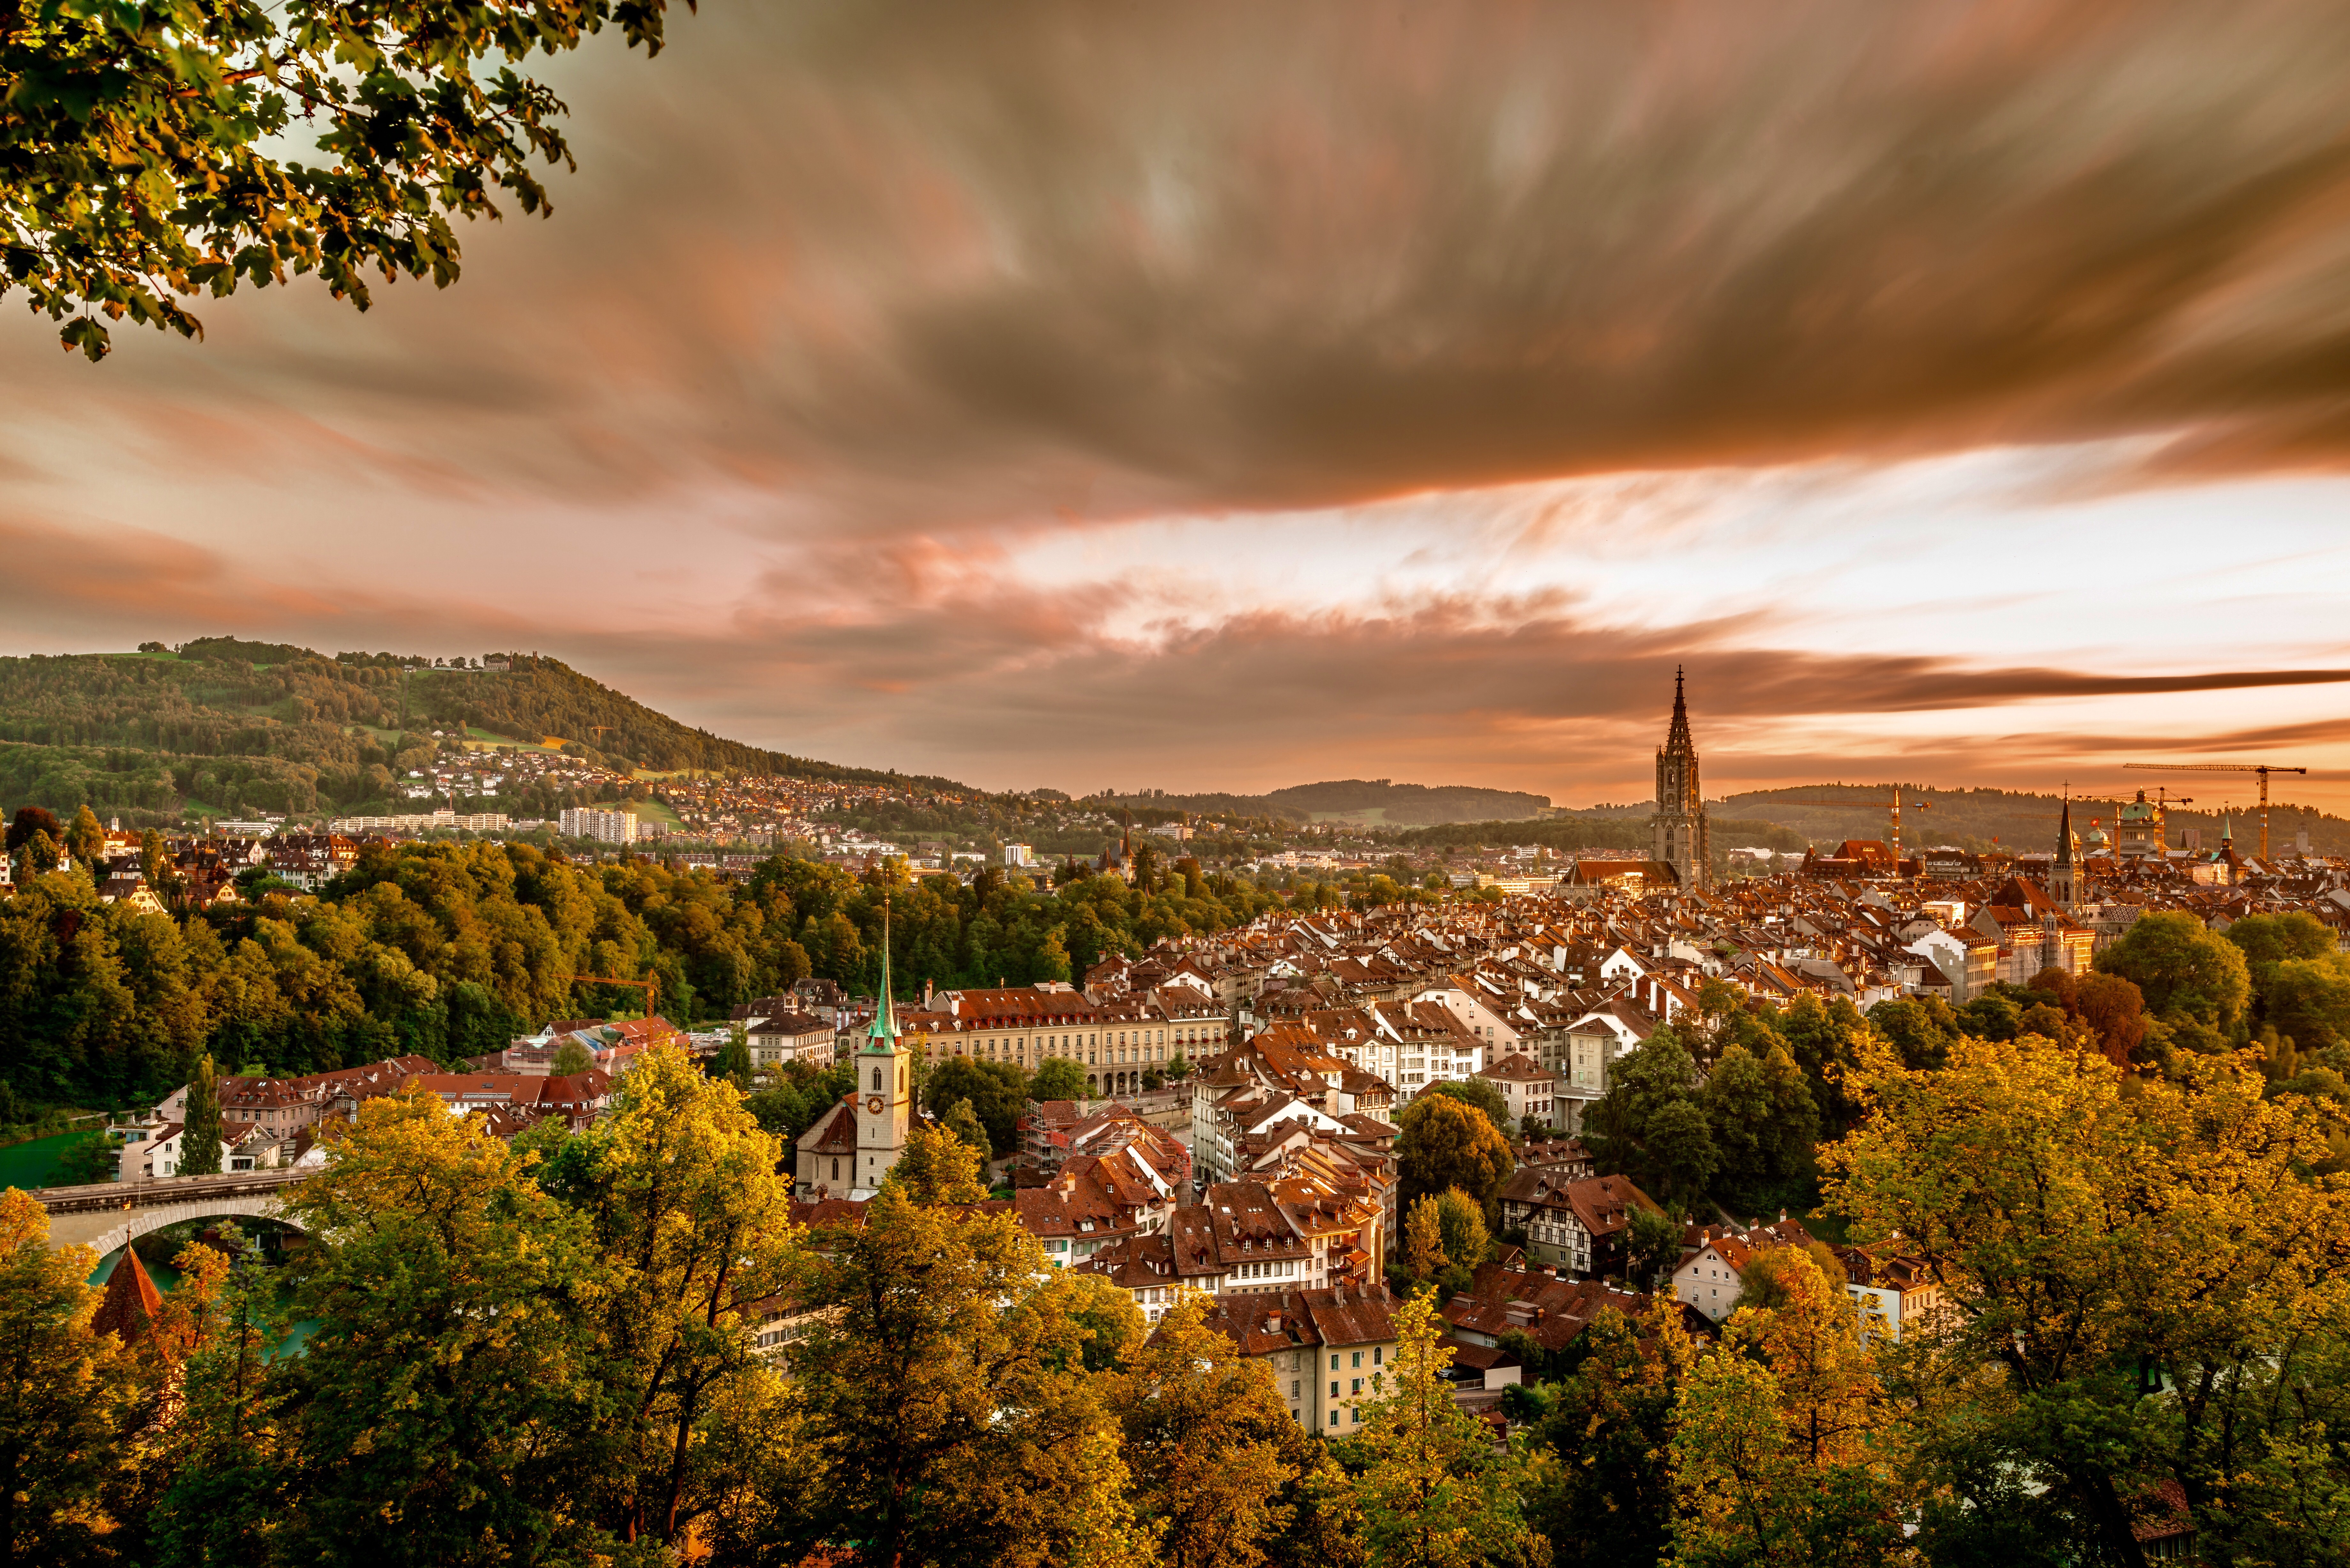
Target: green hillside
243 727
1376 802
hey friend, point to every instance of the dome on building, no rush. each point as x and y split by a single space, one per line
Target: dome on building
2097 839
2139 810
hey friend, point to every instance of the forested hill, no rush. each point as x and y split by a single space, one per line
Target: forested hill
1378 802
1979 819
244 726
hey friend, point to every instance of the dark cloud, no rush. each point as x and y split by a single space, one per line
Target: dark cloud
938 261
890 289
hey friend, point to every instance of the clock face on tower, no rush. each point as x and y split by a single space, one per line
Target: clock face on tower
873 1104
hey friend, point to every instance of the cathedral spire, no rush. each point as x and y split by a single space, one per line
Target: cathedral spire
2065 834
1676 738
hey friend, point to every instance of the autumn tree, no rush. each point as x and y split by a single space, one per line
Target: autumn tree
1604 1497
1212 1448
1768 1281
691 1221
240 143
946 1370
1460 1222
1430 1488
571 1057
444 1408
1783 1445
1423 1241
1443 1142
2113 1010
2095 1242
1477 1091
85 839
60 1390
937 1166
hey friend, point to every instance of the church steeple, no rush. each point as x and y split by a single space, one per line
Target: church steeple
883 1035
882 1093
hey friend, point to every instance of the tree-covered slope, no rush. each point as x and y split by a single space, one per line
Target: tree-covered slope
231 726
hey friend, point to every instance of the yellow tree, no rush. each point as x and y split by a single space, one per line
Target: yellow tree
1423 1240
442 1410
946 1374
2155 1266
693 1224
938 1167
1210 1443
59 1392
1432 1491
1781 1445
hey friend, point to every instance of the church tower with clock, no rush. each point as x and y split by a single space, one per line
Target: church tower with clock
1680 836
885 1107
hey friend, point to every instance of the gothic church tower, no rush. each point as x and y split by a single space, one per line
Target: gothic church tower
1678 834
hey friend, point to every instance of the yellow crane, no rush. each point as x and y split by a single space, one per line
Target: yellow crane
651 987
2264 769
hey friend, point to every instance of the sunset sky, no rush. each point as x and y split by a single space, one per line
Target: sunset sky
1223 397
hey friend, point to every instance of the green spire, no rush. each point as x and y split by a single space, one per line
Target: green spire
883 1035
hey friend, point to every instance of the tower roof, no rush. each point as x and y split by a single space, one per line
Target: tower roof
131 1301
2065 834
883 1035
1677 739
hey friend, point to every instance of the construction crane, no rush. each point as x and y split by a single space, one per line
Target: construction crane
1895 803
2264 769
651 988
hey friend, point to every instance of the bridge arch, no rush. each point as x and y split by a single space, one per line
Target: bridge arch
67 1229
110 1216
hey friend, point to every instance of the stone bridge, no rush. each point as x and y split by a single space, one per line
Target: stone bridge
112 1214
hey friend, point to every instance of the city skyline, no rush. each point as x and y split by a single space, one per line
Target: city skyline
1224 401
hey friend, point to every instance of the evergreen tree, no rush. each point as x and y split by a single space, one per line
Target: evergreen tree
200 1141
